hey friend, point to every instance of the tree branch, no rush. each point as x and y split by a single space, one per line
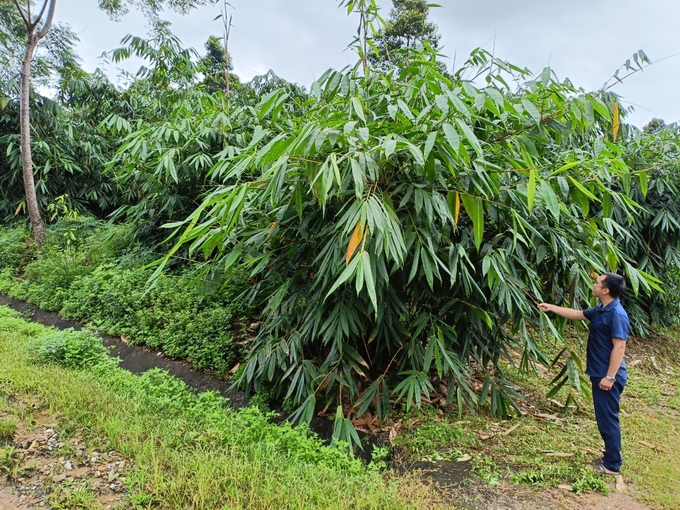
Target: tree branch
21 12
40 14
48 21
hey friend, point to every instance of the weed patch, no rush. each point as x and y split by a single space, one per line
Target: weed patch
97 280
187 451
8 426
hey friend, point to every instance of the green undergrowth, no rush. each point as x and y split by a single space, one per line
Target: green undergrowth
92 273
186 450
552 445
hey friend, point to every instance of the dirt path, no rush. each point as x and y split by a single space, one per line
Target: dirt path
508 496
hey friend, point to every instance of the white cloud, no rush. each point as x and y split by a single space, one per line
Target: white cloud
585 40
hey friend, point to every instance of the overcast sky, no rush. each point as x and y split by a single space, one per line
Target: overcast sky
584 40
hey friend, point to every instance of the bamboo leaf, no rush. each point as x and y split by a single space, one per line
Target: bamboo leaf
354 241
358 176
453 201
358 108
643 176
532 111
583 189
370 282
617 120
349 271
475 210
452 137
471 137
442 103
531 188
566 167
456 213
417 155
429 144
555 390
551 200
390 147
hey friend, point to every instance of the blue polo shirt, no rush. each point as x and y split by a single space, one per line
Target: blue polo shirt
605 324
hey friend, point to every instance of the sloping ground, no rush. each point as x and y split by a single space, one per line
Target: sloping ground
509 496
49 466
179 450
550 448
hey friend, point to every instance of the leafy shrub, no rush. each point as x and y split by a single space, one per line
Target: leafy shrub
528 477
7 281
11 321
413 221
429 438
97 277
106 298
62 260
205 417
14 251
171 316
589 481
72 349
47 279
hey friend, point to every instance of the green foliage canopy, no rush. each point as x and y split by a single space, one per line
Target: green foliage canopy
151 8
410 222
407 27
215 64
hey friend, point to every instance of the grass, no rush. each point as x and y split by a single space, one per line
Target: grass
73 497
8 426
186 451
551 445
651 422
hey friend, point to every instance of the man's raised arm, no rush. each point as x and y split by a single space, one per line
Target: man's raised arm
567 313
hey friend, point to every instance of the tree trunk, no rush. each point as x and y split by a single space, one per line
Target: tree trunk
26 156
32 40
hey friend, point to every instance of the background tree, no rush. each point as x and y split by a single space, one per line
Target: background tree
57 49
55 153
654 126
215 66
37 27
407 27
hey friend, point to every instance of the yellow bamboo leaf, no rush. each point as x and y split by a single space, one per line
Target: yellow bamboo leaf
617 119
457 212
19 207
354 241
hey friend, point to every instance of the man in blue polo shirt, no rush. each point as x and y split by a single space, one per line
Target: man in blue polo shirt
609 327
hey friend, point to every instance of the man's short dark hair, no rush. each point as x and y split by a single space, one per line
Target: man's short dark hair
615 283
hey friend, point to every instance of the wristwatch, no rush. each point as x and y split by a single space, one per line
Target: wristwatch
610 379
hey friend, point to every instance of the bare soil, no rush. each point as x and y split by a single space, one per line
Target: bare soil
42 468
509 496
463 490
